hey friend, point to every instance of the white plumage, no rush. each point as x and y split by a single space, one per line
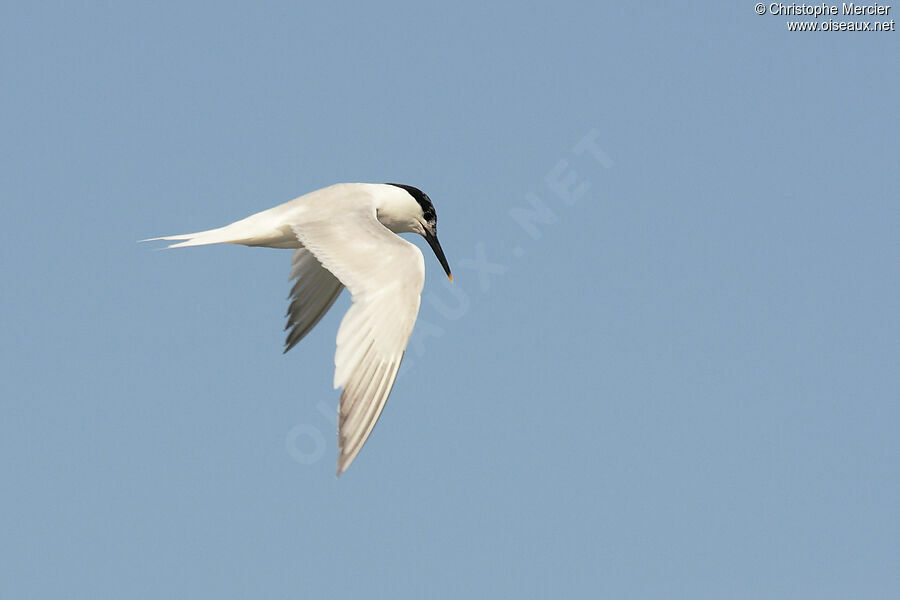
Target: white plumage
344 235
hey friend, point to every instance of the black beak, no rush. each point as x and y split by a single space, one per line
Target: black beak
436 246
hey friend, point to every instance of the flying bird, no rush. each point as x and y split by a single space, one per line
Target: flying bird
345 235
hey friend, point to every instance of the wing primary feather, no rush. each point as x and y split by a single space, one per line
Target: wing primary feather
361 391
363 377
362 423
312 295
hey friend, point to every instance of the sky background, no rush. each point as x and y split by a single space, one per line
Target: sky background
675 377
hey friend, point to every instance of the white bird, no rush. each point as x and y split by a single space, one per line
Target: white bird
344 235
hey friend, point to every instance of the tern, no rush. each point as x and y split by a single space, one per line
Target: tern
344 235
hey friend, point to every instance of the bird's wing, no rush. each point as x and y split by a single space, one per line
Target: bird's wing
312 295
385 275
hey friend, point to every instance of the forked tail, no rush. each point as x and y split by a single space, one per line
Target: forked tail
269 228
222 235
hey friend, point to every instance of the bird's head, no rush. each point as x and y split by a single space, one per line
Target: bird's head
418 218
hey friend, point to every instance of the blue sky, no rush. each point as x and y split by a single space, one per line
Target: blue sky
668 366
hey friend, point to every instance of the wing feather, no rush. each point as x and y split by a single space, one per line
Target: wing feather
315 290
385 275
